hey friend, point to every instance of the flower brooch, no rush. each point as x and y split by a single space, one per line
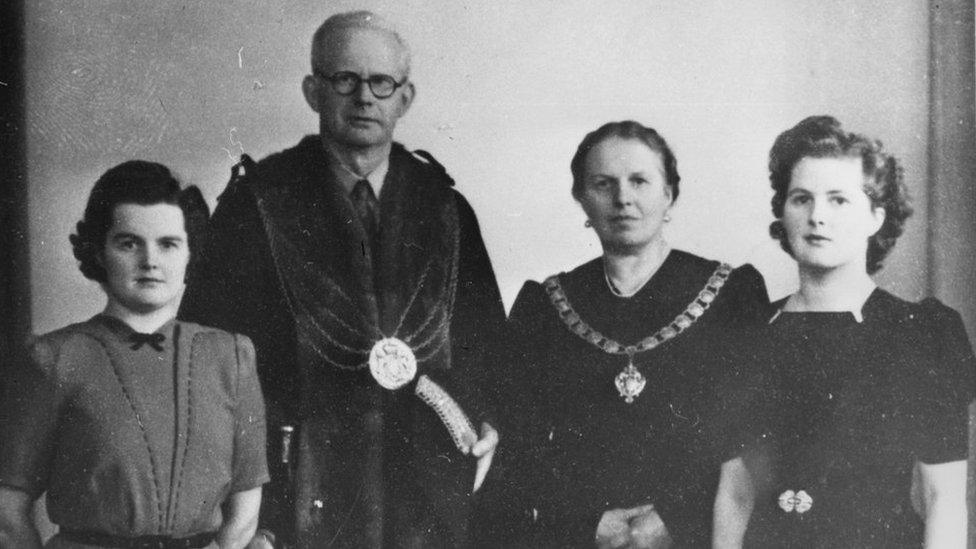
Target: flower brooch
790 501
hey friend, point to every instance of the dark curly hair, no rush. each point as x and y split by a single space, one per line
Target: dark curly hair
823 137
627 129
134 182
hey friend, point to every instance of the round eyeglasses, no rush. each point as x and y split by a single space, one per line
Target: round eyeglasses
345 83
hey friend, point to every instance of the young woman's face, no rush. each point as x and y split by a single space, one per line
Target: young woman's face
145 257
827 216
625 193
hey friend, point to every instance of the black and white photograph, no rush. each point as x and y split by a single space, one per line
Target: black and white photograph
463 274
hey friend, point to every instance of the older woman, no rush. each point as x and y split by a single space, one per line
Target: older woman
144 431
859 389
617 361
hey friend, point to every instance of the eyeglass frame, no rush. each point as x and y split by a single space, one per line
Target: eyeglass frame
331 79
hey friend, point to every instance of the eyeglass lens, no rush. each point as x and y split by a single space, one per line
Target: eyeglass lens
381 85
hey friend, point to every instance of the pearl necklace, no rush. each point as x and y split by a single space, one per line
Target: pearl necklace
616 291
662 255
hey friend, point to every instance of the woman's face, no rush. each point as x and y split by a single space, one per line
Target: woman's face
145 257
625 193
827 216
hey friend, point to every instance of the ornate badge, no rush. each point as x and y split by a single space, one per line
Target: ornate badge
392 363
630 382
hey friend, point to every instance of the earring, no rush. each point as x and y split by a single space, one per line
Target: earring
587 223
667 218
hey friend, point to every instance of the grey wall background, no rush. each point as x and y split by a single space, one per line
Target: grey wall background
505 92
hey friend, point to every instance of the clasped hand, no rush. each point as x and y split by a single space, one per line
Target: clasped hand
635 528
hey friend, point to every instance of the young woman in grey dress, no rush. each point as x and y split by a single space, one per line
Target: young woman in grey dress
143 431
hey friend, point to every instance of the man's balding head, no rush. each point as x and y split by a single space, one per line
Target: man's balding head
351 54
332 30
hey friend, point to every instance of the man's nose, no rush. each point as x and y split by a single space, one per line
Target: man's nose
363 93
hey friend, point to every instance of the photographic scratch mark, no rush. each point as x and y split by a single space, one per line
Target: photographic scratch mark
3 84
345 519
696 421
258 85
240 57
235 141
229 154
162 105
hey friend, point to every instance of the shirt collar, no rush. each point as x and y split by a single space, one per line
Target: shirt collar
348 179
123 330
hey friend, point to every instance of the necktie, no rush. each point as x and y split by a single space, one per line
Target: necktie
368 209
153 340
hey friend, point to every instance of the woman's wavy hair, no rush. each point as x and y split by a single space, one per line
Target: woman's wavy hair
134 182
823 137
627 129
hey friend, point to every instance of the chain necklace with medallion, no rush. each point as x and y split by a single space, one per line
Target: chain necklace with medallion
630 382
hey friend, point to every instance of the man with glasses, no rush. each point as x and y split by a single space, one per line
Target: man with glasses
361 276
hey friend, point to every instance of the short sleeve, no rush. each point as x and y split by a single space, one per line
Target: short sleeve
744 395
518 376
744 381
571 521
947 385
746 299
512 380
250 461
527 300
28 421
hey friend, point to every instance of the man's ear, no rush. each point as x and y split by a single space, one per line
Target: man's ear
406 97
310 89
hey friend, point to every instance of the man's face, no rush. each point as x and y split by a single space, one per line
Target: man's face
359 119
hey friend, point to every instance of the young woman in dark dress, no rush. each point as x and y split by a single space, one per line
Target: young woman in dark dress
860 391
613 366
143 431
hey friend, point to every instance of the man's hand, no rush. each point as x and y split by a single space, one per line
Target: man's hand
614 530
484 450
647 531
263 539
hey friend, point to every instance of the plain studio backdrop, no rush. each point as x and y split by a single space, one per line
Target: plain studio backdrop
505 92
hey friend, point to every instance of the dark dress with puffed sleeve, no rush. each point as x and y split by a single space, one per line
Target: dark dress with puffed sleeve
851 406
134 439
574 447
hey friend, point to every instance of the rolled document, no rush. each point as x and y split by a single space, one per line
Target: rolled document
457 422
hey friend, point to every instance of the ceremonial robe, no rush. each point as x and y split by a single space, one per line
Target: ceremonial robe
288 263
